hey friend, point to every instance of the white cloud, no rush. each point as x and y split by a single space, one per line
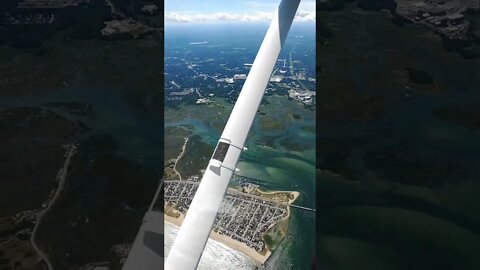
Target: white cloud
305 16
175 17
301 15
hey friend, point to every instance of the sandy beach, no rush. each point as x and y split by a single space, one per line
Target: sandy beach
260 258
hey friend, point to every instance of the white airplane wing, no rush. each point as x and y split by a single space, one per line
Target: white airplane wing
192 237
147 250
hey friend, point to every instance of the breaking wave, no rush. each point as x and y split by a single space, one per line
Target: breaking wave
216 254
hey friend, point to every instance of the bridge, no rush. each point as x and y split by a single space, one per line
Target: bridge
302 207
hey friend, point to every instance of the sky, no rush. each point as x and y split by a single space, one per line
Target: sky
191 11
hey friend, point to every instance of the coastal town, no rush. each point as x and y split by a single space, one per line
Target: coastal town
243 219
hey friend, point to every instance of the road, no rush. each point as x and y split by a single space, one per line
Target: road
292 73
179 157
61 183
